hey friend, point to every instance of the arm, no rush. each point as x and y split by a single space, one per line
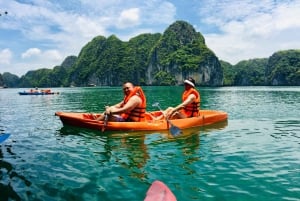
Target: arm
130 105
118 105
189 100
107 111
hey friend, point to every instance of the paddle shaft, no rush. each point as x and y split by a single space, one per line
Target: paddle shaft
105 122
174 130
169 122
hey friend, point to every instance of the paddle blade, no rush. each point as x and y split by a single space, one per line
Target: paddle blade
156 104
3 137
175 131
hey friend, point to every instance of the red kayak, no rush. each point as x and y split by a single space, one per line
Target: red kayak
87 120
158 191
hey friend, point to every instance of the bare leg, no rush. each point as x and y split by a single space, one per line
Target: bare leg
164 114
178 115
168 110
175 115
100 117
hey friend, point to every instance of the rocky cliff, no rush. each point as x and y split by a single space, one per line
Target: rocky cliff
283 68
181 52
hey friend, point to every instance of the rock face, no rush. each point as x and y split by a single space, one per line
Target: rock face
1 81
160 59
283 68
181 52
147 59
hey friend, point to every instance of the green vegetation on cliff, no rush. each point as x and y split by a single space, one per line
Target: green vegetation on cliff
182 52
245 73
110 61
282 68
160 59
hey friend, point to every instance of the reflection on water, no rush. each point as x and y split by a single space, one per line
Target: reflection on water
130 149
70 130
253 156
287 129
9 177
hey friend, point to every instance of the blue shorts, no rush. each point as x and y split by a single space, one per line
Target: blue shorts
119 118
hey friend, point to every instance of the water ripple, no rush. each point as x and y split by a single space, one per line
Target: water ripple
253 156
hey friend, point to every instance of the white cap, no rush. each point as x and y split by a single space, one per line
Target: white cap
189 82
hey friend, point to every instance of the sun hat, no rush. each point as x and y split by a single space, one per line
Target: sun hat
190 81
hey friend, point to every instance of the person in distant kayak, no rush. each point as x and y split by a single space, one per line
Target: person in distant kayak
190 103
131 108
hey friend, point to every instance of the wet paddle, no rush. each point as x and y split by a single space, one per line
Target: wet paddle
3 137
105 122
175 131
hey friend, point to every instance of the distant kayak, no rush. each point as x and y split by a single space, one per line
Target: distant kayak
87 120
38 92
158 191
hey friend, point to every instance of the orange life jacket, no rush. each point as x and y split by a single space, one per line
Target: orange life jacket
138 113
192 109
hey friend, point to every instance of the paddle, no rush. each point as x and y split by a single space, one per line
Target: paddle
3 137
175 131
105 122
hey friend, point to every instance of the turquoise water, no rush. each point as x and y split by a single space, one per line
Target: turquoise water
253 156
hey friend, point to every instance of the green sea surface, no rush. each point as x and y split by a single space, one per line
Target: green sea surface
255 155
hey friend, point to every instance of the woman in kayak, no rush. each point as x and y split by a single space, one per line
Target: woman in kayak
190 103
131 108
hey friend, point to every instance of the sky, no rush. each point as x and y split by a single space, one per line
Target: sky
37 34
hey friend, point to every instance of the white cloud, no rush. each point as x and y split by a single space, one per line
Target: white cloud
86 27
37 54
287 16
253 33
159 12
5 56
31 52
237 29
129 18
53 55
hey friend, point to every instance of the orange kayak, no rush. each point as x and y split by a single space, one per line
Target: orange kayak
158 191
86 120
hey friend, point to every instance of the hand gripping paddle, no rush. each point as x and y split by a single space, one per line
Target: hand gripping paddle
174 130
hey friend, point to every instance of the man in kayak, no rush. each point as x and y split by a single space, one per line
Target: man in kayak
131 108
190 103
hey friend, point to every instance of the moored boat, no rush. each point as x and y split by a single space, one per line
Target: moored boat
87 120
38 92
